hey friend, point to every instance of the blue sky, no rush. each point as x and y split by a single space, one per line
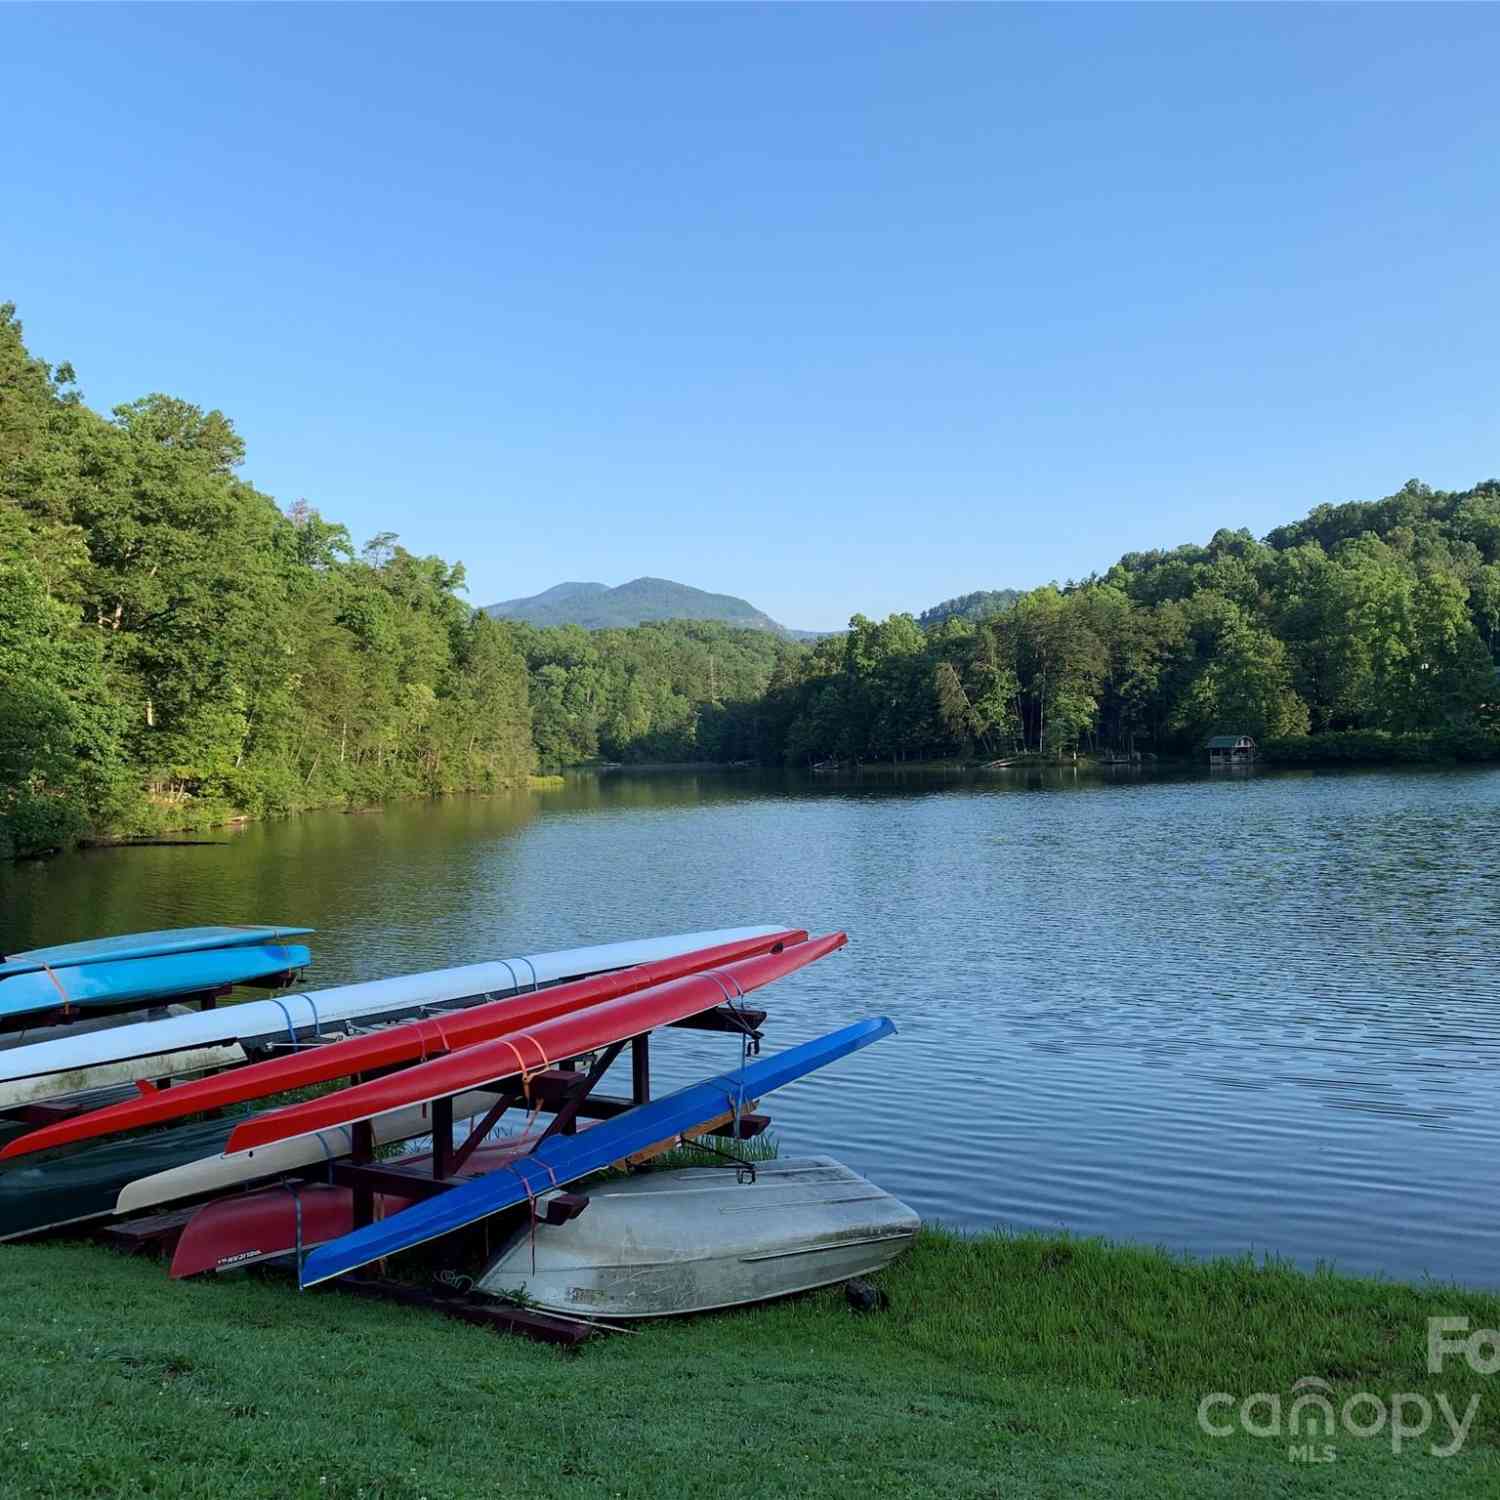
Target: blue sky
836 308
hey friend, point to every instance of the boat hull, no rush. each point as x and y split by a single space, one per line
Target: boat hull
691 1240
249 1227
58 1087
535 1048
215 1170
130 981
384 1047
173 1046
144 945
78 1187
102 1179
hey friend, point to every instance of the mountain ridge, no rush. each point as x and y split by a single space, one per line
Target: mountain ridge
640 601
647 600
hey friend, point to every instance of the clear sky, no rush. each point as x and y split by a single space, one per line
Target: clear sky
835 308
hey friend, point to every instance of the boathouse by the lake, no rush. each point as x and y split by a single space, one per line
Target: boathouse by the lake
1230 750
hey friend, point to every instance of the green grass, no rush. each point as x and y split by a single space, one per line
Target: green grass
1004 1366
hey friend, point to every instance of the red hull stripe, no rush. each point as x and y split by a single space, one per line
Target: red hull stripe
410 1041
523 1053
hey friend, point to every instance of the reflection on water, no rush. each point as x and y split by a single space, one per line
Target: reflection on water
1219 1014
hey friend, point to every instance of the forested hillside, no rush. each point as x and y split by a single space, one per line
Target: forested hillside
979 605
174 647
1380 619
678 691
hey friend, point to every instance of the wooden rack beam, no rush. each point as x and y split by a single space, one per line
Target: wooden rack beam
503 1318
722 1018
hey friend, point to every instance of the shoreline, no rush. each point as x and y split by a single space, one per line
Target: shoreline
1370 750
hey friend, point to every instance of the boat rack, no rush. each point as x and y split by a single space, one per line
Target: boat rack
566 1092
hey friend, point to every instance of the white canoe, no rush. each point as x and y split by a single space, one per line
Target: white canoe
71 1083
216 1174
690 1239
76 1058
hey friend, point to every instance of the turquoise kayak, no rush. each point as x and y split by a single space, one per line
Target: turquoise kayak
143 945
131 981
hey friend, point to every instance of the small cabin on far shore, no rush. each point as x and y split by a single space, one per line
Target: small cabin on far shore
1230 750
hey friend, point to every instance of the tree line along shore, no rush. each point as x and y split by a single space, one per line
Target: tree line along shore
178 649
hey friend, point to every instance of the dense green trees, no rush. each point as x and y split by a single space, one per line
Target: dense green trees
1376 618
174 647
680 690
979 605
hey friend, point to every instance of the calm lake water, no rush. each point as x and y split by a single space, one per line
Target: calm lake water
1242 1013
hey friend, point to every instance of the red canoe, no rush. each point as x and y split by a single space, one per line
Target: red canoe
391 1045
524 1052
246 1227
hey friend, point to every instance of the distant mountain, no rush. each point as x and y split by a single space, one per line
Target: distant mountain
596 606
979 605
559 594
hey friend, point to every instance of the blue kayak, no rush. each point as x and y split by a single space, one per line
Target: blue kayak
142 945
565 1158
127 981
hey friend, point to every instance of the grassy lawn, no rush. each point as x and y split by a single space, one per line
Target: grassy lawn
1003 1366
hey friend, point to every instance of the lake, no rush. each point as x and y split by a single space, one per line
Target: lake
1242 1012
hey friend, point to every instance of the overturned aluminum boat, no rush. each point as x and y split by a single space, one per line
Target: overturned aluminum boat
690 1239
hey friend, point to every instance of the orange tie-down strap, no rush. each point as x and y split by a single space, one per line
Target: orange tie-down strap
527 1074
57 984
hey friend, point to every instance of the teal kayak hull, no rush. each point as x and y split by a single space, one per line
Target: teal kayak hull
143 945
131 981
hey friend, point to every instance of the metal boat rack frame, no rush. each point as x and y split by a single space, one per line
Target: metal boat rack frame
567 1093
